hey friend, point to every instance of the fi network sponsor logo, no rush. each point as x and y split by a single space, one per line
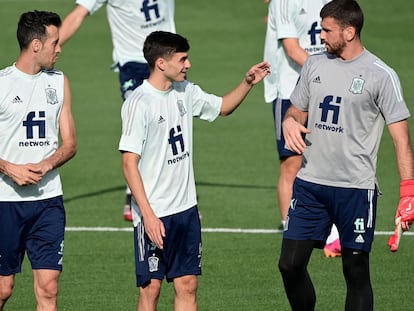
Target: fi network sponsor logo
149 6
35 124
330 109
176 141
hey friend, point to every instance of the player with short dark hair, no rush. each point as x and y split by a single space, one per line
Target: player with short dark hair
157 151
345 96
35 109
130 22
292 34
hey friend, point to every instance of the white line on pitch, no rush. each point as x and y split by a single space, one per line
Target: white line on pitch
213 230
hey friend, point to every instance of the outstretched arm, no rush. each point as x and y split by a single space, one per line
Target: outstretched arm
233 99
72 23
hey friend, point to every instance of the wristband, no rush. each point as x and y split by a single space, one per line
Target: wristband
407 188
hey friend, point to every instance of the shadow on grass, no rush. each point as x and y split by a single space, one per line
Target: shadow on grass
198 184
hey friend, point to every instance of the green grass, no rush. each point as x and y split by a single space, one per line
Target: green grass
235 162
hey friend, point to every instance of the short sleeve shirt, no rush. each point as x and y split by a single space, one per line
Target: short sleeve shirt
158 126
131 21
348 103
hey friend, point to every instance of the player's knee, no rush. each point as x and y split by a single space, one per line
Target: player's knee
151 290
355 265
294 257
288 267
6 290
47 290
186 286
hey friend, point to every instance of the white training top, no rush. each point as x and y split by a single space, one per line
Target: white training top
131 21
30 107
289 19
348 103
158 126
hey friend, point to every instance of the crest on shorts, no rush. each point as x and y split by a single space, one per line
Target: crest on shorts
357 86
153 263
51 96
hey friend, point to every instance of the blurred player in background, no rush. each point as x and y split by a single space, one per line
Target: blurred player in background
157 119
345 97
293 33
35 107
130 22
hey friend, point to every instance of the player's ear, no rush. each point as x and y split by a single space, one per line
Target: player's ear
36 45
350 33
160 63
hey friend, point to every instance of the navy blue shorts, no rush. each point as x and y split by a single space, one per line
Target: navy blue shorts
131 75
182 249
314 208
36 228
280 106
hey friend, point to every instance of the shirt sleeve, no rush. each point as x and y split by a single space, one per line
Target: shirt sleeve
390 98
205 106
285 16
91 5
134 127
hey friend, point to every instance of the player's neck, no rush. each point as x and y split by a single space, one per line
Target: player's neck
27 65
352 51
160 82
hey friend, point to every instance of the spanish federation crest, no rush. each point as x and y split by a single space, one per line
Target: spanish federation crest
153 263
51 96
357 86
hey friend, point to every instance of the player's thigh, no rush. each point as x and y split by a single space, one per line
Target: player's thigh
45 242
308 217
355 216
280 106
183 244
14 224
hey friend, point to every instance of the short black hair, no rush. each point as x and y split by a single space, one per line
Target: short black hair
346 13
163 44
32 25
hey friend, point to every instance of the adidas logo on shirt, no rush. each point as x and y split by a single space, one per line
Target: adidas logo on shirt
16 100
317 80
302 12
160 120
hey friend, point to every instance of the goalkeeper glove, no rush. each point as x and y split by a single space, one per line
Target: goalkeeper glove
404 216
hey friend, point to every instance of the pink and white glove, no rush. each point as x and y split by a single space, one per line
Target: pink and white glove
404 216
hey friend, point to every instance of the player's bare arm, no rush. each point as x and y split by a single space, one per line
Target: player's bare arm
295 51
401 138
152 224
293 128
405 161
234 98
404 215
21 174
68 144
72 23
